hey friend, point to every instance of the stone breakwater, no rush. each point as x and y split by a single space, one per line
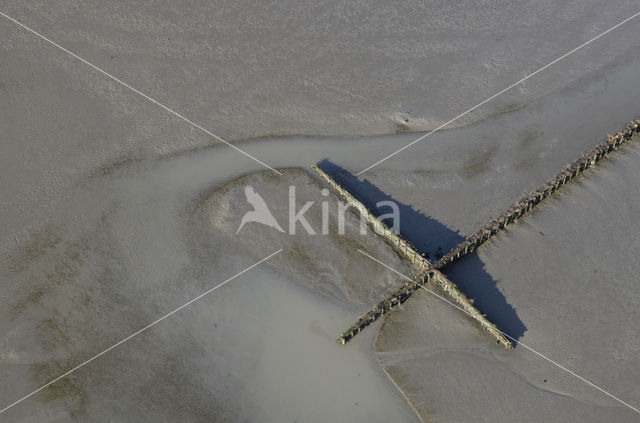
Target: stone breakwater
517 211
426 274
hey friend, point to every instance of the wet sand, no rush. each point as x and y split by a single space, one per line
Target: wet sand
105 227
566 270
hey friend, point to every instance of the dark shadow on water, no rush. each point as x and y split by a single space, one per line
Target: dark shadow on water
432 238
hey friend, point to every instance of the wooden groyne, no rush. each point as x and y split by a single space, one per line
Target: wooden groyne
520 208
526 204
403 247
426 274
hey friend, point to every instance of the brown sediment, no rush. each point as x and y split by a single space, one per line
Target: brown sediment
473 242
427 274
33 249
65 390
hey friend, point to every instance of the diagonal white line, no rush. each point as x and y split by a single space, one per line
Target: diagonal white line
508 336
136 333
140 93
499 93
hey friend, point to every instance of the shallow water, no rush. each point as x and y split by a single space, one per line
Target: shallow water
265 348
278 341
